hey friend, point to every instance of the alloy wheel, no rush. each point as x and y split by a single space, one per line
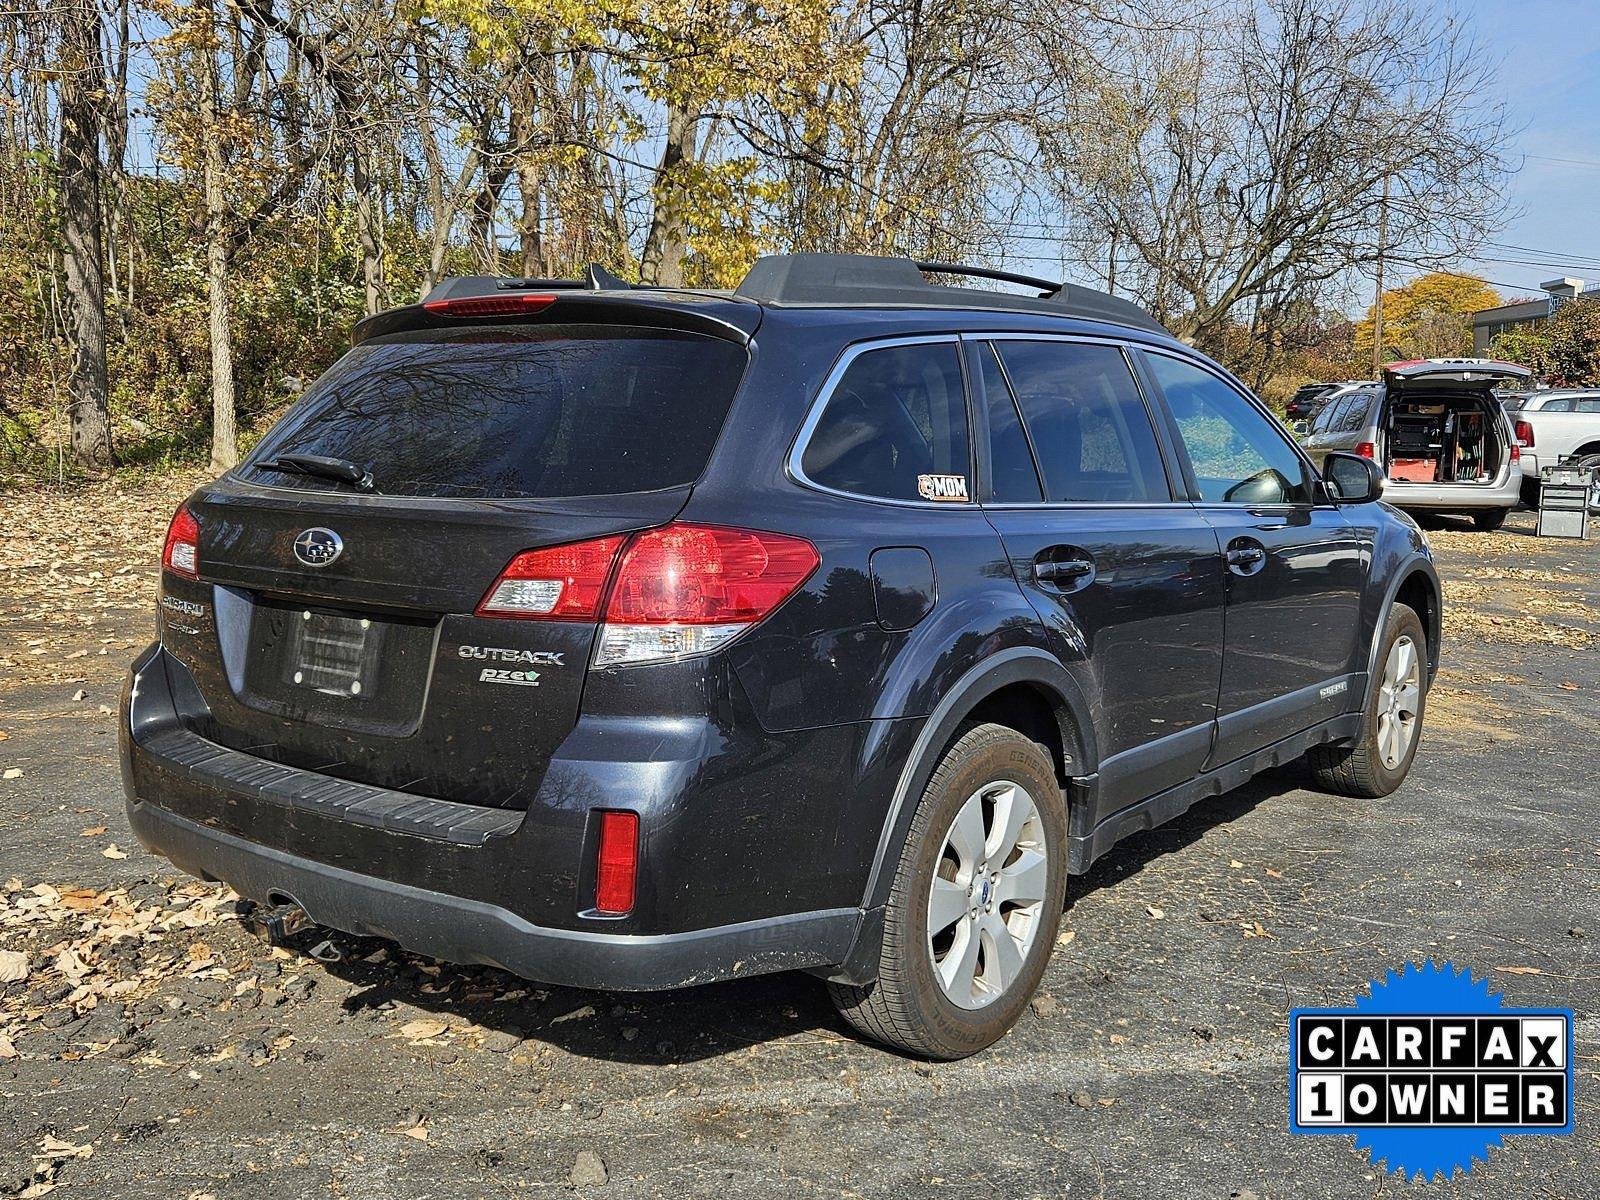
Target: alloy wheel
1399 696
988 888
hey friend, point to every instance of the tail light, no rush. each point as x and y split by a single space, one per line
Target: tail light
558 583
1516 452
689 589
1524 432
511 305
666 593
616 879
181 554
1366 450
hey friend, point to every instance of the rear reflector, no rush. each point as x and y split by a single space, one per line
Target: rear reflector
514 304
558 583
690 589
181 554
1524 432
617 876
1366 450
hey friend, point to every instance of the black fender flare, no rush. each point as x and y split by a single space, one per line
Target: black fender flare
1412 564
1020 664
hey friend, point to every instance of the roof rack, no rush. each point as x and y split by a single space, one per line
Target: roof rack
872 281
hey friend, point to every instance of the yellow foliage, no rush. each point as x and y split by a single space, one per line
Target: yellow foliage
1430 317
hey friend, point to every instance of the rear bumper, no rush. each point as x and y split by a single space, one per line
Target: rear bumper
458 929
1456 497
498 886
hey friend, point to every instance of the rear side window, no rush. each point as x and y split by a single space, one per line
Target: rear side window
1587 405
895 426
1325 420
516 411
1087 422
1354 417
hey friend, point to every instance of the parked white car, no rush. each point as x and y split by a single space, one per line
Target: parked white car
1552 425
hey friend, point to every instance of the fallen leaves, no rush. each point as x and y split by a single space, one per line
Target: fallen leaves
13 966
92 831
422 1029
11 773
54 1147
112 851
1519 970
81 955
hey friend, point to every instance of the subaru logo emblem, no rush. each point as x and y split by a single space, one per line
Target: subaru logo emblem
318 547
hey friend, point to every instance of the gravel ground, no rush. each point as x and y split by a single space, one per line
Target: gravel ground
157 1048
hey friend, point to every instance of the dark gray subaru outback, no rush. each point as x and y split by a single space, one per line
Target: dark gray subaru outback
635 638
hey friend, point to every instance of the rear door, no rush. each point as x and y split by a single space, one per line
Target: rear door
1127 580
345 634
1295 567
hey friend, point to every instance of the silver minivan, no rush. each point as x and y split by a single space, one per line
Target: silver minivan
1438 431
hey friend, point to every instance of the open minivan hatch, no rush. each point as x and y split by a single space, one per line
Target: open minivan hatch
1441 422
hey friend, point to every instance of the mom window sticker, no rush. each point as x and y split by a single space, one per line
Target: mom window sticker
1430 1071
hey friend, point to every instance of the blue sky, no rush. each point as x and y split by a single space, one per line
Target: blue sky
1549 77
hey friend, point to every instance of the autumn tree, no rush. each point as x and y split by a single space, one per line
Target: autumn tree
1430 317
1240 155
1563 351
81 74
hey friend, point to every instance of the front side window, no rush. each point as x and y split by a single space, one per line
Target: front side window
1087 422
1237 454
895 426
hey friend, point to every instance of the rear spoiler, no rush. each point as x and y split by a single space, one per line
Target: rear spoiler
602 300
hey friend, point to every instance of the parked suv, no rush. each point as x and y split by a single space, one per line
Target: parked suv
1437 431
637 638
1553 426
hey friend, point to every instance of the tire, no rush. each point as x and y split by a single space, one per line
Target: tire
1592 460
1369 769
1487 520
909 1006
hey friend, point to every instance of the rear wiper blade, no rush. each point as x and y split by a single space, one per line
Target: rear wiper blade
323 466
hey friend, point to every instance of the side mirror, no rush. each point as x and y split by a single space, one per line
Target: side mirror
1351 478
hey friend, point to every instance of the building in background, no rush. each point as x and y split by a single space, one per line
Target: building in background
1489 323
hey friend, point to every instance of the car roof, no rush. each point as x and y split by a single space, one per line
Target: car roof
864 286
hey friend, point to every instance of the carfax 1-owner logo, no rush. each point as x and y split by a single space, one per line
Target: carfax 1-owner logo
1430 1071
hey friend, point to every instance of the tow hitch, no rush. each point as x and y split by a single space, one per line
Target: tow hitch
278 922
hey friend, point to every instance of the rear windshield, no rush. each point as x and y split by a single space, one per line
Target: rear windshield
515 411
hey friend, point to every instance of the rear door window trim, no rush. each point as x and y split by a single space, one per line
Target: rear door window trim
1169 462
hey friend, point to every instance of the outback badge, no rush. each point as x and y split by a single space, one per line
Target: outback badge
317 547
943 487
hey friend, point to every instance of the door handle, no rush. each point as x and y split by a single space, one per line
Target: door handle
1062 570
1245 559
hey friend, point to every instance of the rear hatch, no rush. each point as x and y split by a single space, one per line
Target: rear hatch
1442 423
483 441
